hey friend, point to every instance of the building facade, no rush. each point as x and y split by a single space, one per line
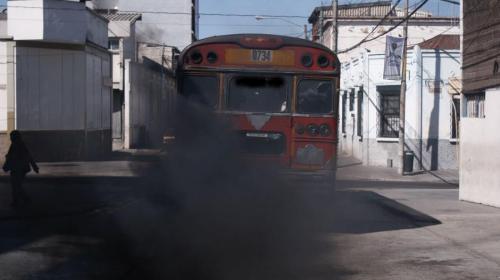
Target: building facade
479 152
143 84
369 107
55 79
361 21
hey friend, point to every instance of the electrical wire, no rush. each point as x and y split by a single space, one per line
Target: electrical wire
422 3
160 12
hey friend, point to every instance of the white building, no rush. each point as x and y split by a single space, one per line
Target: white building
369 107
123 46
357 21
479 135
55 79
143 85
164 22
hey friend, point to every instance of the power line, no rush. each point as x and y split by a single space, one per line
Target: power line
422 3
162 12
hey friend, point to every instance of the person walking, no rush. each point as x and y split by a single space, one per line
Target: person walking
19 162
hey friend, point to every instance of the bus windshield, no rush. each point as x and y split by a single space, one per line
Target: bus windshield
258 94
315 96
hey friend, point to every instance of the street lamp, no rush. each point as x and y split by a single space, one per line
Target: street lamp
285 20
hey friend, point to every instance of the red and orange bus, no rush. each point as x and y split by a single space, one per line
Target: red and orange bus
280 92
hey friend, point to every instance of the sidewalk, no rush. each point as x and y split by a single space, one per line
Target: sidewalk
130 163
351 169
133 163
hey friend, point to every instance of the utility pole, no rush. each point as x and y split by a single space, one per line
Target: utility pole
305 32
402 97
320 30
335 23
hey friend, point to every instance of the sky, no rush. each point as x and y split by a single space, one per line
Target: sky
217 25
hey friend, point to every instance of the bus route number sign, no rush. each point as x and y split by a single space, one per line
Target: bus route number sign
262 56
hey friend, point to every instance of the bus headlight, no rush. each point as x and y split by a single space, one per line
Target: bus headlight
325 130
313 129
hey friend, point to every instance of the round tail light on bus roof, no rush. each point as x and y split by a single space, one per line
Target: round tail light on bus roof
323 61
196 57
307 60
212 57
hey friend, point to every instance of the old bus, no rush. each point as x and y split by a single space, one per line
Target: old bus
280 92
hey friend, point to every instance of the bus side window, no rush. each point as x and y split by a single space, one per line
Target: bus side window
202 89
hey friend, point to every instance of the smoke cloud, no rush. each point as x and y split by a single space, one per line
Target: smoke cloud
215 215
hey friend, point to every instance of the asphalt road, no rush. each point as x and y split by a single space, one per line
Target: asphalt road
146 229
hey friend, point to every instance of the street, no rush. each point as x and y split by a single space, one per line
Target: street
138 228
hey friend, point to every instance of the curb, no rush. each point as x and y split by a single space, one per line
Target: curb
402 210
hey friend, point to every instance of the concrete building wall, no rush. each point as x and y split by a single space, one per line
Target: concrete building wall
4 139
55 21
149 106
63 101
3 26
480 154
428 109
3 87
353 31
169 28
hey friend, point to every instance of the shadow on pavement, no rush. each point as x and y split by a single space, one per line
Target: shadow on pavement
366 212
380 184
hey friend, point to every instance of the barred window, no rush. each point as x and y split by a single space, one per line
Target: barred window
455 118
389 115
344 101
351 100
360 112
474 105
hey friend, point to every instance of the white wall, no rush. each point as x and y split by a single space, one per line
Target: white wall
149 105
353 31
59 89
3 86
428 114
55 21
480 154
97 29
25 22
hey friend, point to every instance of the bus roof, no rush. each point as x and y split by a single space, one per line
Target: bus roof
236 39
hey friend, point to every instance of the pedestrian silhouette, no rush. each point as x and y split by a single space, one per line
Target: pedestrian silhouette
19 162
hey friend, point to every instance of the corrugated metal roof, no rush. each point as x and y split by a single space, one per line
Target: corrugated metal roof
132 17
377 8
444 42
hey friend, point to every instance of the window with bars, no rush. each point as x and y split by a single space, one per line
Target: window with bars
455 118
389 115
474 105
351 100
344 101
360 112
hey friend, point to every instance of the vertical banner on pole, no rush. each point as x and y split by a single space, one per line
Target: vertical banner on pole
393 53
